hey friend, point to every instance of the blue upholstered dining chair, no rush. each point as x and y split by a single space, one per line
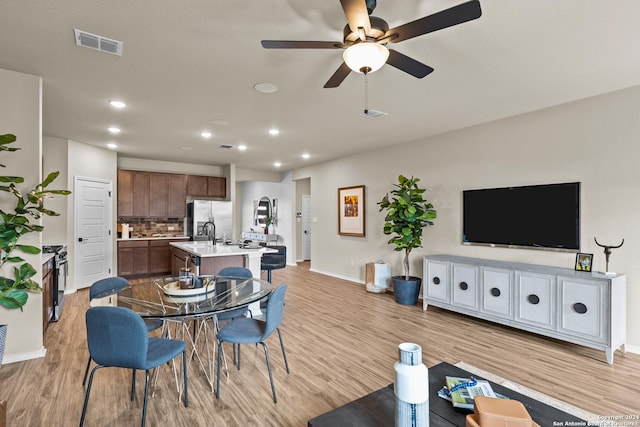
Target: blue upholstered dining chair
118 337
111 286
243 330
274 261
234 272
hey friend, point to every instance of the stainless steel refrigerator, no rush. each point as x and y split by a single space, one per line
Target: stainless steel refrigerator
219 213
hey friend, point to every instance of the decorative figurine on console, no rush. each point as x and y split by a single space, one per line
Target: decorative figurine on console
607 252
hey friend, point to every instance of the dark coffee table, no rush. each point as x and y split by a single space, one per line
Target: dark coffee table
378 408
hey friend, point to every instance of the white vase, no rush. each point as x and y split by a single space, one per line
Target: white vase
411 387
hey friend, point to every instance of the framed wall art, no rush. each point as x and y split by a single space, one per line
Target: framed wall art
351 211
583 262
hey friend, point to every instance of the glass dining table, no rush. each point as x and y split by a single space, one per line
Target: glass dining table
191 314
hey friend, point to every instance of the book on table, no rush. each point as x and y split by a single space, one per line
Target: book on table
461 391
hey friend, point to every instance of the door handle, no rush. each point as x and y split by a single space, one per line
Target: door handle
80 239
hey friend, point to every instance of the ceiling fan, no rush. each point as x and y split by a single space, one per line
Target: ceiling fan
366 37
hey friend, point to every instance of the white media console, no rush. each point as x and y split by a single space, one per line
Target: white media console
575 306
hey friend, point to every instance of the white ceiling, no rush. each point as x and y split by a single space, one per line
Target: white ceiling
189 62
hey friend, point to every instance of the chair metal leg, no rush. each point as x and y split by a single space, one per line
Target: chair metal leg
86 396
146 395
133 384
269 275
218 371
273 389
238 357
286 364
184 373
86 372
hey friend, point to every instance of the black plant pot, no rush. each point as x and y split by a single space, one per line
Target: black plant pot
406 291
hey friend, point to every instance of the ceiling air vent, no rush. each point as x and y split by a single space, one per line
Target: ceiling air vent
226 146
93 41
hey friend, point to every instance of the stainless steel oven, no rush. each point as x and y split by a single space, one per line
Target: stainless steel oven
61 271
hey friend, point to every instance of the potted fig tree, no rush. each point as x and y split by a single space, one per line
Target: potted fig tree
17 275
407 214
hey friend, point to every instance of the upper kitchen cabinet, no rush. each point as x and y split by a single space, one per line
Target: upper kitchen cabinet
133 193
207 186
167 195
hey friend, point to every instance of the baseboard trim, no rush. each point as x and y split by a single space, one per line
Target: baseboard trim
632 349
21 357
337 276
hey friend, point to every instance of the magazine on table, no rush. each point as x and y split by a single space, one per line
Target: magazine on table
461 391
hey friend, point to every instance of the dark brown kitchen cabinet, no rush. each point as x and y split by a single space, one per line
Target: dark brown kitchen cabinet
207 186
151 194
133 258
133 193
177 197
160 256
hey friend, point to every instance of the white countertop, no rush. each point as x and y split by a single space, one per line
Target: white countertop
47 257
206 249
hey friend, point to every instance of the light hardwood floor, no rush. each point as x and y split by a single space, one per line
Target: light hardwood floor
341 343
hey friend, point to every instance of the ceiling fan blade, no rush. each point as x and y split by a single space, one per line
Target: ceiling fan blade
291 44
338 77
357 15
447 18
408 65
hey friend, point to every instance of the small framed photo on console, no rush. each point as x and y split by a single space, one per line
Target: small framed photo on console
583 262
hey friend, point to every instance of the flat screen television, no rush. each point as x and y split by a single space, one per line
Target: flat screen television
534 216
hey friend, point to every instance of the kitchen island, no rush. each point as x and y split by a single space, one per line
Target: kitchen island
205 258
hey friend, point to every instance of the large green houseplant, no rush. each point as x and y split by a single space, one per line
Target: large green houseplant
407 214
13 226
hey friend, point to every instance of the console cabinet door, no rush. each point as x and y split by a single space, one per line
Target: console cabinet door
437 280
584 308
535 299
465 285
496 292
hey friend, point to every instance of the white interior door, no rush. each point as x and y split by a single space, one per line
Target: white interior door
92 239
306 227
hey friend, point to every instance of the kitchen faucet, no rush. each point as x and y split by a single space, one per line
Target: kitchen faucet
206 229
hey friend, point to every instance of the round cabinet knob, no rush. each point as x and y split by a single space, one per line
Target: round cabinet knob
495 292
579 308
436 280
464 286
533 299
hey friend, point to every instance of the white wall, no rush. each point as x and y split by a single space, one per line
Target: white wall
20 114
88 161
54 158
595 141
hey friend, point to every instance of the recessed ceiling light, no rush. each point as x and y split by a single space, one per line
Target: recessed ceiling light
273 132
114 130
205 134
117 104
277 164
265 87
242 147
112 145
306 156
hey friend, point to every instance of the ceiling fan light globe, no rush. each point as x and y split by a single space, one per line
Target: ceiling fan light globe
367 56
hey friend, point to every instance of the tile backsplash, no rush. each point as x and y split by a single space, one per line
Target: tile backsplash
146 227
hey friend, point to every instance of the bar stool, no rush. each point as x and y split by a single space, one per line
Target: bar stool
274 261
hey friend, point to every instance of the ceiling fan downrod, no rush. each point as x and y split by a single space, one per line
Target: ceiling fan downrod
366 89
